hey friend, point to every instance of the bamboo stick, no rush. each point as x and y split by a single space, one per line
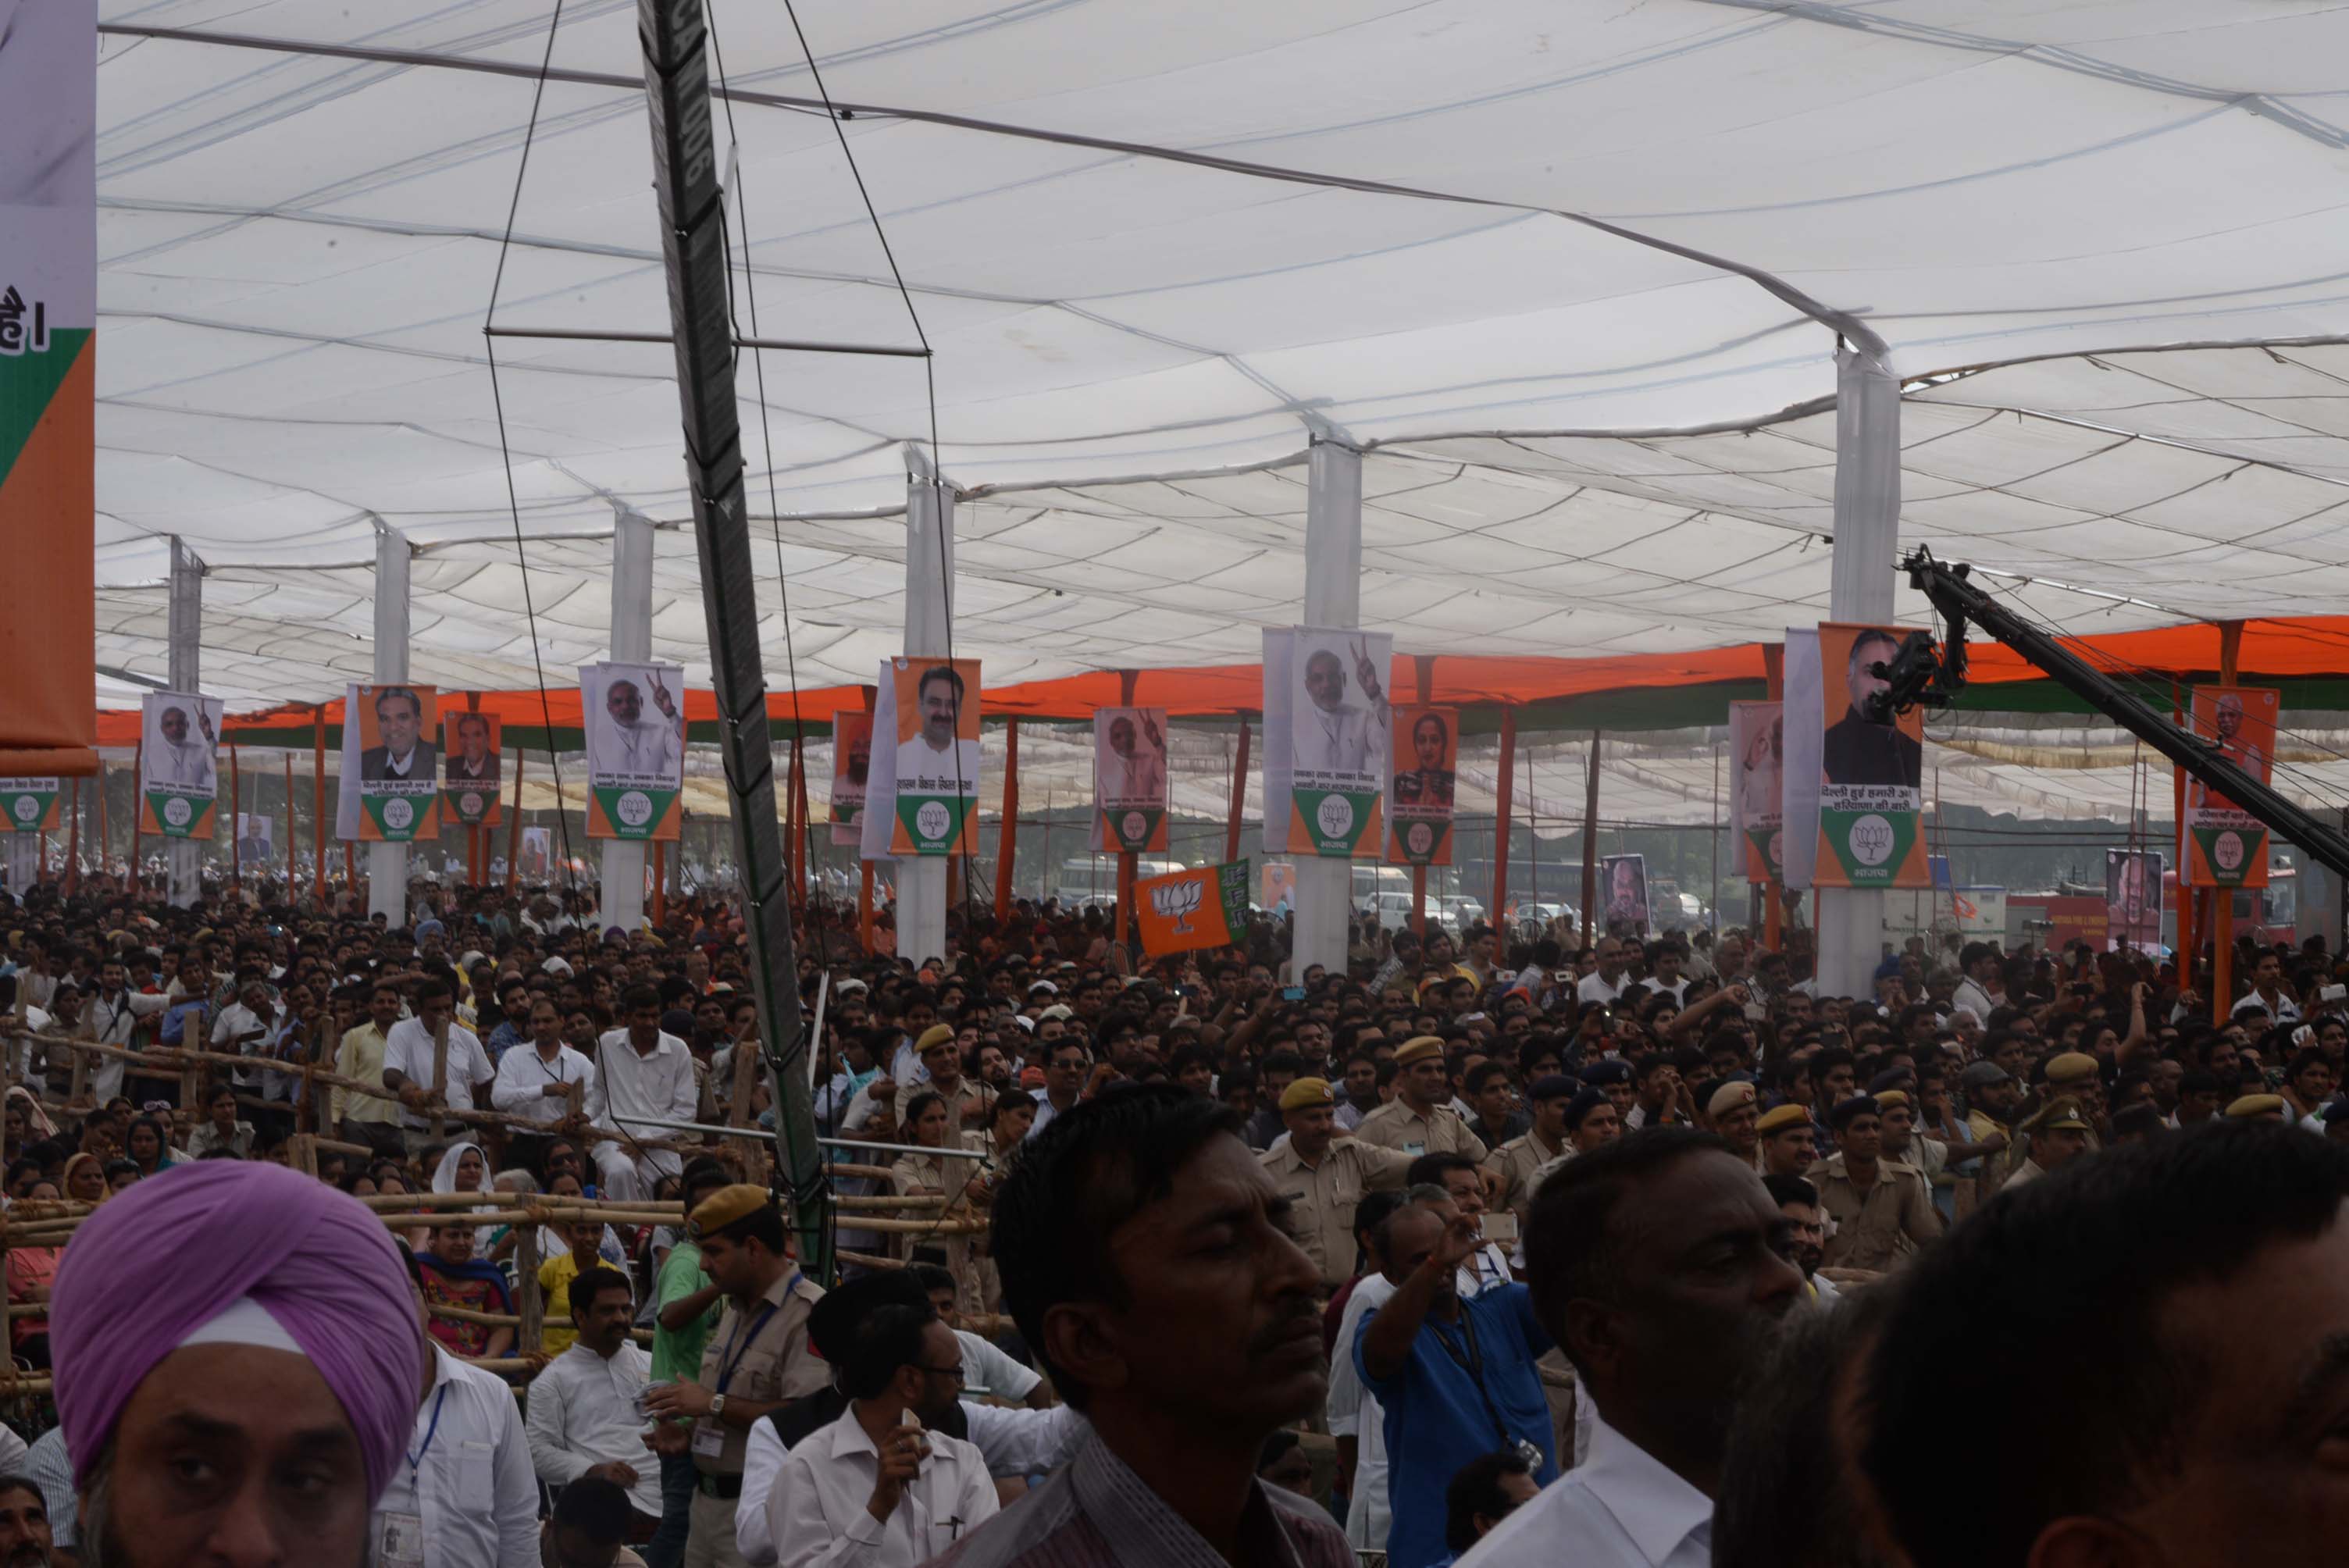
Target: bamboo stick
531 1340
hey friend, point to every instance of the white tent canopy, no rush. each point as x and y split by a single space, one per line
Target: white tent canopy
1528 254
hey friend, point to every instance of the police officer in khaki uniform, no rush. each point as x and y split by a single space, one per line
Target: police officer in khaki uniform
757 1359
1882 1209
1783 1143
1513 1164
1418 1120
1323 1176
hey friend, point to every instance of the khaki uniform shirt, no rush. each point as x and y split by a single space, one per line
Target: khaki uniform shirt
1324 1196
769 1366
360 1057
968 1093
1885 1226
1395 1125
1515 1163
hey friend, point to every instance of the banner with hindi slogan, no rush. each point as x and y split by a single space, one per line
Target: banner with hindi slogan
1425 747
2226 846
390 791
1757 739
2132 898
1871 764
851 769
924 761
473 760
1207 907
636 749
28 805
1129 780
1326 736
48 316
178 784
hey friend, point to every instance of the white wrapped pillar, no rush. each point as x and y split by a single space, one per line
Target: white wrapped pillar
387 863
623 897
1867 544
929 628
185 857
1333 599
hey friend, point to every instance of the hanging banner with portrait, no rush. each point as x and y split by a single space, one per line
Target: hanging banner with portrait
1623 895
921 795
536 860
2226 846
852 768
391 790
2132 898
28 805
636 749
1425 745
1757 741
178 783
1871 764
1129 780
473 760
1326 735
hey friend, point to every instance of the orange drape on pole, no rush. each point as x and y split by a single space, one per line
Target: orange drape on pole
1504 789
1239 795
235 819
318 808
1007 833
513 824
1127 930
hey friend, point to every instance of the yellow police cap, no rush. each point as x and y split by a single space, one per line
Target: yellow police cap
2070 1066
1781 1119
1305 1093
1729 1097
2252 1104
1890 1098
1418 1048
936 1035
725 1207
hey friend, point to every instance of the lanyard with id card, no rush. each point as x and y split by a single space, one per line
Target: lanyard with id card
709 1442
400 1536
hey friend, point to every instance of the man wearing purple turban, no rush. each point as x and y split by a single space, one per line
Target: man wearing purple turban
237 1359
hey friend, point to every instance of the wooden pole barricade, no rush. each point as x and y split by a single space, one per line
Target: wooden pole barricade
73 844
530 1335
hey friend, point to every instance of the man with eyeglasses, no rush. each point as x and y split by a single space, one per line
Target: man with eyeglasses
878 1487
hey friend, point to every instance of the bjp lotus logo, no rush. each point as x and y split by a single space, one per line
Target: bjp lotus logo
1178 902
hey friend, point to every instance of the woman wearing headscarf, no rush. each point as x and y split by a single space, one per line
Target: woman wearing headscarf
454 1276
146 1145
464 1168
31 1272
85 1178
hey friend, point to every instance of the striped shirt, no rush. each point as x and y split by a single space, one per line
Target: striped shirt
1097 1512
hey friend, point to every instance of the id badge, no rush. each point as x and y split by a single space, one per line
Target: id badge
400 1540
709 1442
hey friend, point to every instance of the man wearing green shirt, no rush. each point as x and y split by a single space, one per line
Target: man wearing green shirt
686 1307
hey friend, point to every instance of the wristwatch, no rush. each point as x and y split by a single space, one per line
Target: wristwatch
716 1405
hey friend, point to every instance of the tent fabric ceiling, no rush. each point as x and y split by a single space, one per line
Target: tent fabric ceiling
1154 250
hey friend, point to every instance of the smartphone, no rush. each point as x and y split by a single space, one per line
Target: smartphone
1292 993
1500 1225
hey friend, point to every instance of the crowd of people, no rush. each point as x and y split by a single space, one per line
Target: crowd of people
1489 1250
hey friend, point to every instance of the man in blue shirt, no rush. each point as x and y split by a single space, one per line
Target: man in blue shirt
1453 1377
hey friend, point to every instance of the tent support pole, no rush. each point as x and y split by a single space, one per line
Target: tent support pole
387 863
1505 788
185 856
1333 601
922 893
632 642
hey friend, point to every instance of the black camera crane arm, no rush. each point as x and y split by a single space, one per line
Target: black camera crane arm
1922 672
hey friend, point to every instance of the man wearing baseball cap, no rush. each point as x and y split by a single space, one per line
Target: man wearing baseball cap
1420 1119
757 1359
1323 1176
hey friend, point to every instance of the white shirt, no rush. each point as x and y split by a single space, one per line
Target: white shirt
1970 994
399 766
816 1512
408 1051
659 1084
646 750
1139 778
237 1020
2284 1011
1595 987
986 1370
1619 1509
189 762
524 1075
471 1485
582 1413
1354 1412
1336 740
1016 1442
110 1021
